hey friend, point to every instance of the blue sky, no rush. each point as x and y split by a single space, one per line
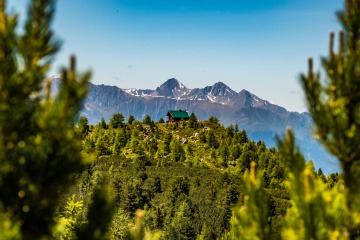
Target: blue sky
261 46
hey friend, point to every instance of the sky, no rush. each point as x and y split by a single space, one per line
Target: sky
261 46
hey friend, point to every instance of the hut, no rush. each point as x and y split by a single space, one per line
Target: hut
177 115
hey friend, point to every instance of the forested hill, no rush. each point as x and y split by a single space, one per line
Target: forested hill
261 119
193 143
187 175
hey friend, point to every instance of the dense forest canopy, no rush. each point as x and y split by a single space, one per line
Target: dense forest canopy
61 178
165 167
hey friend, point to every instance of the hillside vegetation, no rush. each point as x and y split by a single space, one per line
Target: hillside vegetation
186 175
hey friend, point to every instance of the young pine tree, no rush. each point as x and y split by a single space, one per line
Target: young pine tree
116 120
319 211
83 125
39 153
193 121
335 105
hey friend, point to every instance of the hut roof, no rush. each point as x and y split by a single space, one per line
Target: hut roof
178 114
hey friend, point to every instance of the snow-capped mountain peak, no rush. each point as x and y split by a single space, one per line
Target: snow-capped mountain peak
221 89
172 88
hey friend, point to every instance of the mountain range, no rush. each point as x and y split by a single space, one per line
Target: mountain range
261 119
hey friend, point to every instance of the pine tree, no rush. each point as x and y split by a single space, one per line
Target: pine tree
224 154
235 151
103 124
320 210
147 120
102 145
211 140
335 105
193 121
131 119
84 125
167 142
116 120
250 220
181 225
230 131
120 141
242 136
161 120
236 128
38 152
213 121
317 211
177 151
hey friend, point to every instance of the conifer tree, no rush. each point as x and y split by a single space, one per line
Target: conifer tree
317 212
193 121
161 120
213 120
131 119
224 154
250 220
181 225
335 105
84 125
177 151
321 211
147 120
39 153
103 123
211 139
116 120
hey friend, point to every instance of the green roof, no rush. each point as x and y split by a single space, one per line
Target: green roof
178 114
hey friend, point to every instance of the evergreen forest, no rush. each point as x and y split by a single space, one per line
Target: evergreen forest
63 178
